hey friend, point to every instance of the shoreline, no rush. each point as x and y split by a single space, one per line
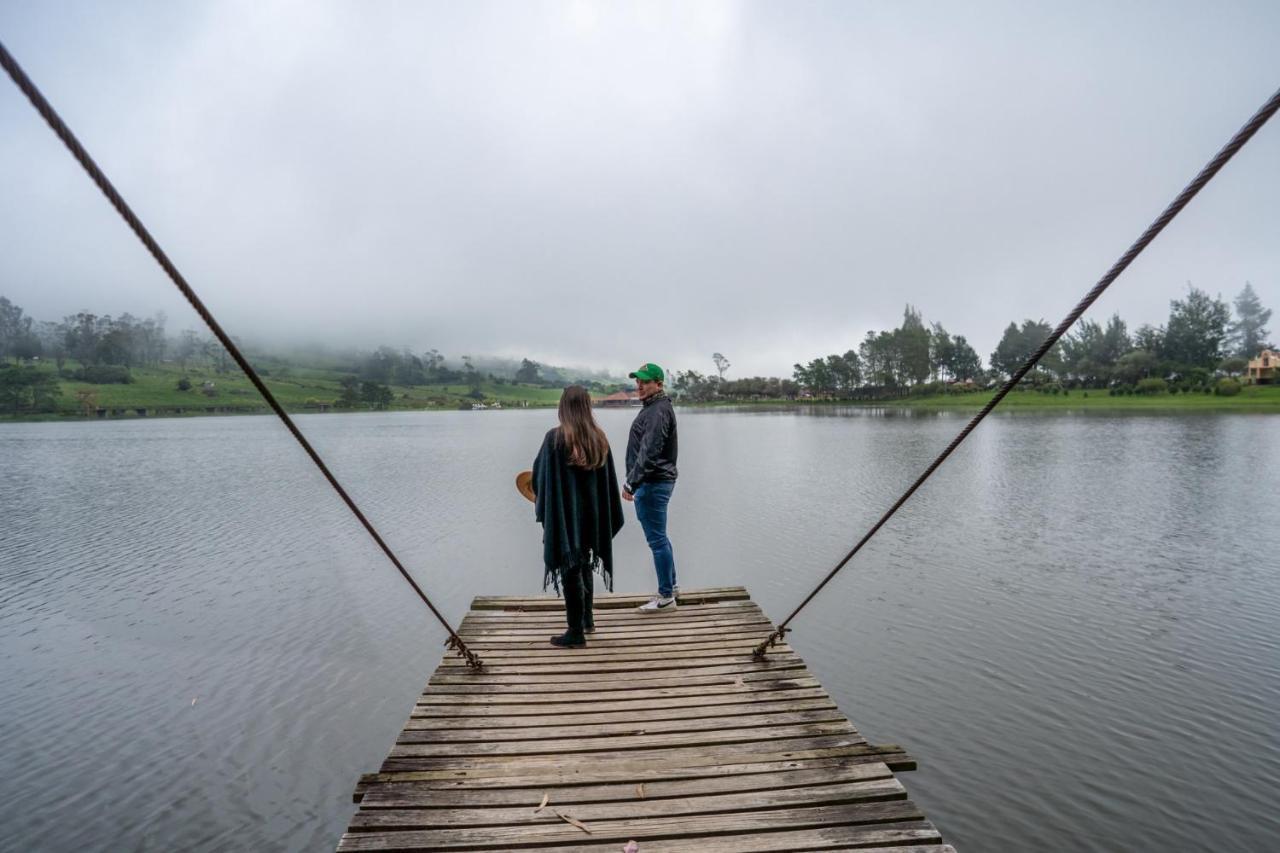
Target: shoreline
1252 399
1261 399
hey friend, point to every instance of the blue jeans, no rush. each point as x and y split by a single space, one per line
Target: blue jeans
651 510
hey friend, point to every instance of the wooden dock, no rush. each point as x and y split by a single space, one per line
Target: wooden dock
663 732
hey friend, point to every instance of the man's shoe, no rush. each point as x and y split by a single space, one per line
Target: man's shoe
568 641
658 604
589 629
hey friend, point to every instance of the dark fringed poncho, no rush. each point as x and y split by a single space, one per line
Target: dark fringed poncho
580 511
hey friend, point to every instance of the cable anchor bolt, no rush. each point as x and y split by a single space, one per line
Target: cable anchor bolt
771 641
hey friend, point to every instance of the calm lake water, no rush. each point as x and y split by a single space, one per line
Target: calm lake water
1073 626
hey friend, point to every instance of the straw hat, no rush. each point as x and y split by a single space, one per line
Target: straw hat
524 485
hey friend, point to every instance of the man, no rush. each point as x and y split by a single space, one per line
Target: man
651 477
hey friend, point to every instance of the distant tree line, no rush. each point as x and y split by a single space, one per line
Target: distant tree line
103 349
1200 342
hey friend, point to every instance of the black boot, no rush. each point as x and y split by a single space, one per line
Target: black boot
571 581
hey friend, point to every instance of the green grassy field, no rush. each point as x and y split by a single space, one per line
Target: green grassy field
304 389
298 389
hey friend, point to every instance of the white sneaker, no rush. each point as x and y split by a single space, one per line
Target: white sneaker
657 603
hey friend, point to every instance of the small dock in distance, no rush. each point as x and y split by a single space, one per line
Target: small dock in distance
663 731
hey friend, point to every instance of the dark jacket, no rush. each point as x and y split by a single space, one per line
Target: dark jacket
580 511
652 446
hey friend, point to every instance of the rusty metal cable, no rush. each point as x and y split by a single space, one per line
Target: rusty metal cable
77 150
1175 207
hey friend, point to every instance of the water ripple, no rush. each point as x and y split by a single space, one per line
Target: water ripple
1071 624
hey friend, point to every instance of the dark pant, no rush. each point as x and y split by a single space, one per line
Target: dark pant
578 594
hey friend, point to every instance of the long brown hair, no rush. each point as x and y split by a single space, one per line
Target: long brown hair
582 437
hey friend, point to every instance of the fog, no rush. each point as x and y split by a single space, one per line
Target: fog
606 184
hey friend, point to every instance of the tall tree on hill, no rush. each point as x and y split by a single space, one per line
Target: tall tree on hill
1115 340
53 342
722 364
1082 354
188 347
880 363
821 379
965 365
1136 365
82 337
1090 352
528 372
942 350
1008 354
17 337
845 372
1197 331
350 395
1149 338
27 389
115 343
1019 343
912 339
1248 334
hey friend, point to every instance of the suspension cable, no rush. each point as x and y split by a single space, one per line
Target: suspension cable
1206 174
77 150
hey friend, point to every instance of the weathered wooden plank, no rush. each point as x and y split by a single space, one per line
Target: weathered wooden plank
604 602
623 830
498 778
636 809
540 641
570 663
866 839
660 626
605 627
495 718
614 617
703 597
623 638
716 737
451 793
623 680
607 623
620 620
609 617
607 657
502 654
748 688
415 733
625 761
611 599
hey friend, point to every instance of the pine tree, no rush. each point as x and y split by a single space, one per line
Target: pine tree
1248 334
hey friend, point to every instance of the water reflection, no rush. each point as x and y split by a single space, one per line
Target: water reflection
1072 623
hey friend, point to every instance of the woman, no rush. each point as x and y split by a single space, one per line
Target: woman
577 503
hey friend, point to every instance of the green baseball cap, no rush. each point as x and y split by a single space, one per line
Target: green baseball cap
648 373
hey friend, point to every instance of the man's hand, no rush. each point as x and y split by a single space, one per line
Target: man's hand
627 496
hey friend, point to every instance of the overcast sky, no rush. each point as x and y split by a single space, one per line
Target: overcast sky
603 184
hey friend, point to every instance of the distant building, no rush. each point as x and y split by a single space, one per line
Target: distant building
620 398
1262 370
